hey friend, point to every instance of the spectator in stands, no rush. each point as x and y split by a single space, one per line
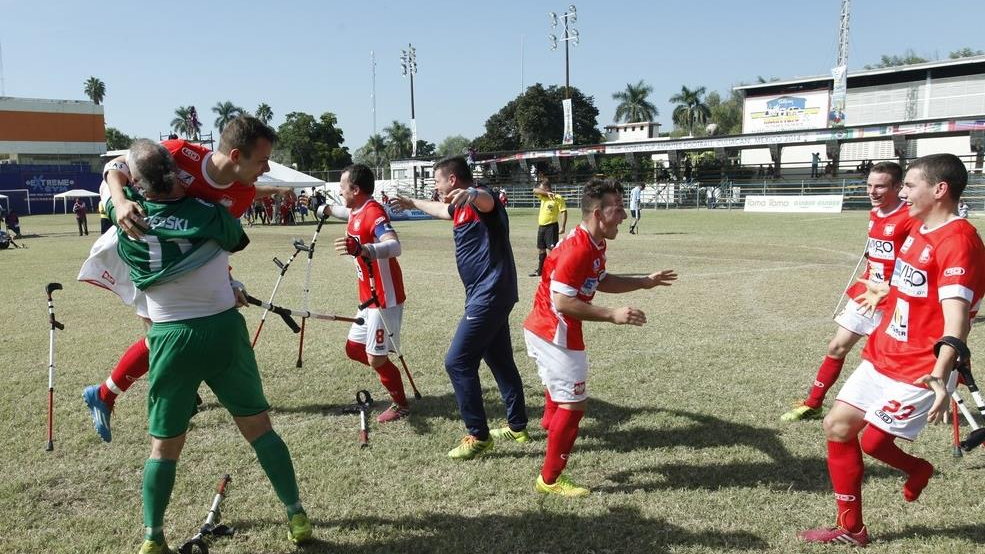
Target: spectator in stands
13 224
81 217
829 169
815 161
770 172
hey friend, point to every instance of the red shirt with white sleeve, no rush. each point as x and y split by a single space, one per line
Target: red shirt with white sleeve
191 160
367 224
886 235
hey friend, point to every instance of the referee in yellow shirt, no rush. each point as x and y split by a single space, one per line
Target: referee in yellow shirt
551 220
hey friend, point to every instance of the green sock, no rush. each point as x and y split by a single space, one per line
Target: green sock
158 483
275 460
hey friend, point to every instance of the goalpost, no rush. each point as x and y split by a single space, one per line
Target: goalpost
10 198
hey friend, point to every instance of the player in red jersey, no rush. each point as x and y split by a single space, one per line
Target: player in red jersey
227 177
370 239
572 273
889 225
900 385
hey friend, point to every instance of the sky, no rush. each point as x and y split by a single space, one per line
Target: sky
473 58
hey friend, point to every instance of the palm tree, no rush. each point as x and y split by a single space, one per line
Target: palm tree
377 145
227 111
398 140
95 90
691 109
264 113
633 105
181 123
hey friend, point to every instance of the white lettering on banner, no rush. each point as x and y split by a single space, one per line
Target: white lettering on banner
881 249
899 325
822 203
910 280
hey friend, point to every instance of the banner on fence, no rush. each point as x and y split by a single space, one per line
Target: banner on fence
820 203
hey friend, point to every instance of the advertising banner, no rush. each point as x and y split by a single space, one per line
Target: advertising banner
836 117
569 126
788 112
820 203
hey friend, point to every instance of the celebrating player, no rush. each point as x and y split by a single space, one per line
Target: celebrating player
936 287
181 264
486 266
572 273
889 225
370 239
226 177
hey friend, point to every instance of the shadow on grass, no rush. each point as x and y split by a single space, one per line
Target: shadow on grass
971 533
621 529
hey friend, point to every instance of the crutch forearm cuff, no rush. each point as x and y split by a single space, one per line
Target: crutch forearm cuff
959 346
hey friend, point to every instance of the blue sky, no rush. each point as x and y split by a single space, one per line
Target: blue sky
313 56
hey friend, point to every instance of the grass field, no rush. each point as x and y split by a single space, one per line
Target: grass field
681 445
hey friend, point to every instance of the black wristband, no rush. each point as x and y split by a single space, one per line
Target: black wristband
964 354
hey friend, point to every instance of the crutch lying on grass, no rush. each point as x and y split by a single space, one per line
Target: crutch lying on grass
364 402
48 289
211 527
287 314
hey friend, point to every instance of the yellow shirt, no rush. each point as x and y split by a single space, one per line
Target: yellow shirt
550 208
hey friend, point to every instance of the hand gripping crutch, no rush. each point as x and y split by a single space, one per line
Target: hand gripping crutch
962 364
374 299
305 295
211 526
298 248
48 289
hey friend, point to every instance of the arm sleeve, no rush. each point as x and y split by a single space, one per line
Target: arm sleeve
569 273
958 271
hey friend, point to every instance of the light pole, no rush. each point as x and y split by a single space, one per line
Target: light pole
408 66
570 36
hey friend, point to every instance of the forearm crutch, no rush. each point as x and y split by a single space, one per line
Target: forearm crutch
288 314
851 278
55 324
283 269
211 526
364 402
962 364
305 295
374 299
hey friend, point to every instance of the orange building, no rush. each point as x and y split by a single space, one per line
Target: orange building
37 131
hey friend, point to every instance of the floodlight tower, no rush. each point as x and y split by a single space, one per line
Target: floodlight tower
570 36
408 66
846 8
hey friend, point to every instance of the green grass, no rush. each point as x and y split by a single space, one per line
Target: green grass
681 444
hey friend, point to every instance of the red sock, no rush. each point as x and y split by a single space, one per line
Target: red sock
131 367
845 468
882 446
560 441
390 377
827 374
550 406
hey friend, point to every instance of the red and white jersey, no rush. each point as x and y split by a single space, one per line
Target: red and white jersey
933 265
574 268
191 159
367 224
886 235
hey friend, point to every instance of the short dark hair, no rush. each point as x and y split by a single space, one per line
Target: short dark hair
243 133
455 165
152 166
946 168
892 169
595 189
361 176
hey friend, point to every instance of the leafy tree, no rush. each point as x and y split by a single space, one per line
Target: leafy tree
452 146
908 58
116 139
313 144
725 114
186 122
633 105
965 53
373 153
535 119
398 140
227 111
264 113
425 149
95 90
691 111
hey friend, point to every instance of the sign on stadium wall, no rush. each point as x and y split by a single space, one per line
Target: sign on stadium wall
786 112
820 203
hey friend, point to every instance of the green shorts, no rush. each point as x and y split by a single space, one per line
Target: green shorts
214 349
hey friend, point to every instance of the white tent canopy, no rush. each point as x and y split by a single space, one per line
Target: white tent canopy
282 176
74 193
6 200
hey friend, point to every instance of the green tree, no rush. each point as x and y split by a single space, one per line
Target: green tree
726 115
184 123
535 119
313 144
398 140
633 104
373 153
908 58
454 145
425 149
95 90
116 139
227 111
691 112
264 113
965 53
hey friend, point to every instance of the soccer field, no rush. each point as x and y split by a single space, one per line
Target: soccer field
681 445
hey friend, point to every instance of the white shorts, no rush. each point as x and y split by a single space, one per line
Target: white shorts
373 333
896 407
851 318
563 372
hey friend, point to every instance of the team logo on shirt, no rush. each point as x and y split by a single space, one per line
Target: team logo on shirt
906 245
910 280
925 255
108 277
185 177
899 325
357 224
881 249
589 286
596 264
190 154
888 230
954 271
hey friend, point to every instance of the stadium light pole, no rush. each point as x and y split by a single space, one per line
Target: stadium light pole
570 37
408 66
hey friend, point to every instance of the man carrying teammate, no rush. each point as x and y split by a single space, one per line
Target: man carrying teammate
889 225
573 272
226 177
551 221
197 336
487 269
900 385
370 239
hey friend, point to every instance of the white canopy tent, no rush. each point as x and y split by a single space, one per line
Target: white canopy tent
282 176
6 200
74 193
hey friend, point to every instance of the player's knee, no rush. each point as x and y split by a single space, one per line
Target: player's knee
839 349
356 351
836 429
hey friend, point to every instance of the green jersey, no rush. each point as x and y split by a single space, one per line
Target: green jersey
183 235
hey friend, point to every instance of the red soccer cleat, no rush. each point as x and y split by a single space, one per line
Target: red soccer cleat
835 535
